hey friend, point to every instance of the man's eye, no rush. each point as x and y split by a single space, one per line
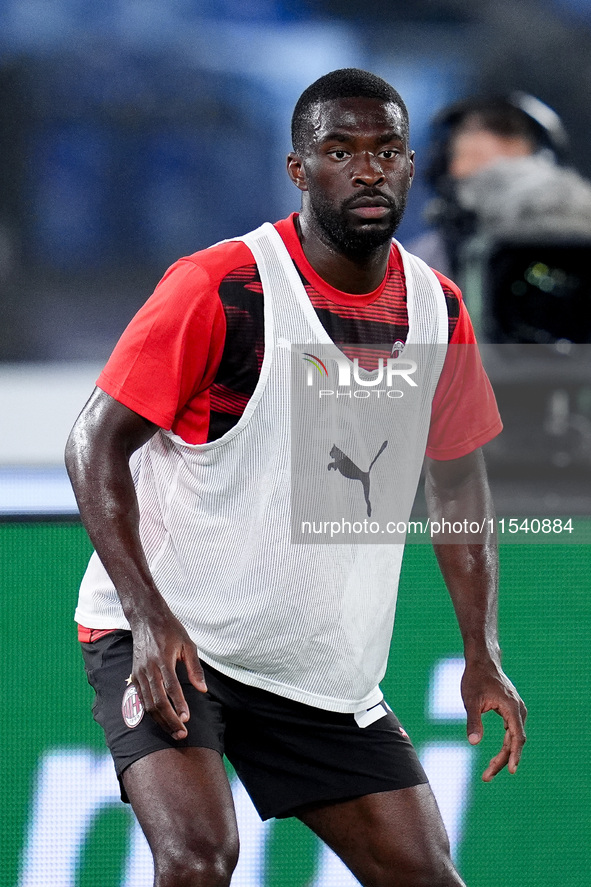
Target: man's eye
389 154
339 154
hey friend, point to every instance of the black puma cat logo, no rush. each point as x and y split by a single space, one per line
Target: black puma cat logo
348 469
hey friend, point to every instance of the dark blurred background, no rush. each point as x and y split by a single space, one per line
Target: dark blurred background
135 131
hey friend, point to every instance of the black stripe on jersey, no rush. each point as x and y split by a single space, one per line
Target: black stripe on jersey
241 296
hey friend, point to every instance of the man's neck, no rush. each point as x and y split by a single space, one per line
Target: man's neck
349 274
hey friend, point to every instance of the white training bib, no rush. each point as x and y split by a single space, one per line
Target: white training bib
309 621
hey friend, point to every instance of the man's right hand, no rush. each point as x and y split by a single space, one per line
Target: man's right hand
158 646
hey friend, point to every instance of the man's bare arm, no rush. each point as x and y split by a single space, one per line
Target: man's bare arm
97 458
457 491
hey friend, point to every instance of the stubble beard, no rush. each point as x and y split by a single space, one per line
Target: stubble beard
355 242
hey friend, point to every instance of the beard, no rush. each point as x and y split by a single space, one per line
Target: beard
341 232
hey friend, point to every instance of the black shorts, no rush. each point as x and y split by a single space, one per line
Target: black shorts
286 754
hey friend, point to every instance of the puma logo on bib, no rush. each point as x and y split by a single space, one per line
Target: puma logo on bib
348 469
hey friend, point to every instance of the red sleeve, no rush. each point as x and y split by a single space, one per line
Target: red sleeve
171 349
464 415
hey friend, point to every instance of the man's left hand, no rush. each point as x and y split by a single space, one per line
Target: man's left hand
485 687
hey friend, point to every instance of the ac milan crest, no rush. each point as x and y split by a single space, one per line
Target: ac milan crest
132 707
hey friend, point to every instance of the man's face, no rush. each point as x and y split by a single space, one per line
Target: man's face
356 173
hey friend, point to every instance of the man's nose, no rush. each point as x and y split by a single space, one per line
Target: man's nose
367 170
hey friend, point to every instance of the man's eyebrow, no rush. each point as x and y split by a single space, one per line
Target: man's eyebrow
336 135
392 136
343 135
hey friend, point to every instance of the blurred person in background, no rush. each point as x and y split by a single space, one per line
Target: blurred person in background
497 168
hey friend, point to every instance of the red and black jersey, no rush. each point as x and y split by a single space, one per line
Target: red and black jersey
190 359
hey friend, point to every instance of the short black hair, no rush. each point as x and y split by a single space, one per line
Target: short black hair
345 83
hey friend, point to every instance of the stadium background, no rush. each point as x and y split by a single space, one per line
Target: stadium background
132 132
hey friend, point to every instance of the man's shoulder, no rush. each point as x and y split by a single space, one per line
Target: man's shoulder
220 260
449 287
445 281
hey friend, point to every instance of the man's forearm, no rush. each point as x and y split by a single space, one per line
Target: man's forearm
458 493
470 572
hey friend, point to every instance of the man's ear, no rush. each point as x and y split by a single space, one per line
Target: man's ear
296 171
412 166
